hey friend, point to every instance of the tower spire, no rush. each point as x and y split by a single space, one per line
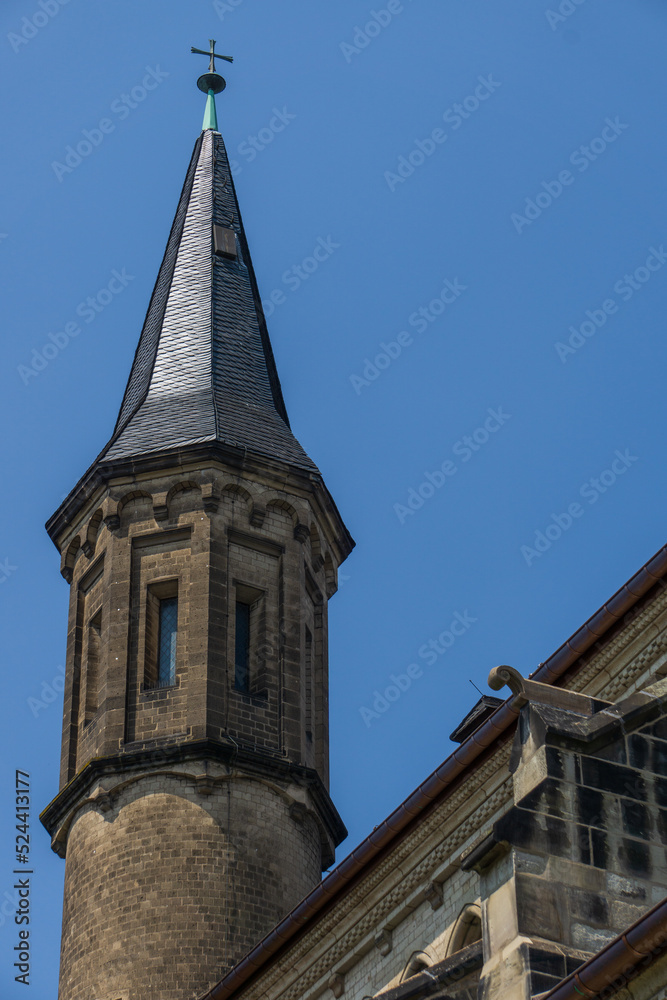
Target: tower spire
204 369
201 549
211 83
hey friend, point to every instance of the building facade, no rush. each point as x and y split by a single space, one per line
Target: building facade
531 863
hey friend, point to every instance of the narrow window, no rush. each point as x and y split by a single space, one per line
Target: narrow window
93 667
242 655
249 639
417 962
152 630
167 633
309 685
161 634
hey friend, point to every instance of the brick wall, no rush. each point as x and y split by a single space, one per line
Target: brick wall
169 887
170 880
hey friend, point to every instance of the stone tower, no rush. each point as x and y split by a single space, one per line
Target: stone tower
200 548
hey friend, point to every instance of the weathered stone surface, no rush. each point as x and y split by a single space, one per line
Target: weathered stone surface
162 892
170 880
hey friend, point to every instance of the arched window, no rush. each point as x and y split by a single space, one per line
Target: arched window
417 962
467 929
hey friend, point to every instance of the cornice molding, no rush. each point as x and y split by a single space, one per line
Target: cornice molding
162 759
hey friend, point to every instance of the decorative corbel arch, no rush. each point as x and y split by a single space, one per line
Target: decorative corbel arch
418 961
67 567
132 495
236 490
92 532
279 503
330 575
183 487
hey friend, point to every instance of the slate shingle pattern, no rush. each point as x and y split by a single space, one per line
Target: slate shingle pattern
204 368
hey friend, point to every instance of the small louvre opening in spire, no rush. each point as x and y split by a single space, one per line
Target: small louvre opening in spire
224 242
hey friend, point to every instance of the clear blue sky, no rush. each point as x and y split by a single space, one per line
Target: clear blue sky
534 199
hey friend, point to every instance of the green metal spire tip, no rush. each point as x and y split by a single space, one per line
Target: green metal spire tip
210 114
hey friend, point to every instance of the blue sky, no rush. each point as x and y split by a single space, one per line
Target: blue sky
476 367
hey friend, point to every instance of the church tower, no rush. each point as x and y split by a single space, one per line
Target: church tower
200 549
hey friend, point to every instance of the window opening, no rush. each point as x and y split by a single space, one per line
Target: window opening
242 653
167 635
309 685
467 929
93 667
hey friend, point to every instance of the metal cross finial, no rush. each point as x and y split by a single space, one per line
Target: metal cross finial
213 54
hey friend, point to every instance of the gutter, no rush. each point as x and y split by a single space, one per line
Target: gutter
603 619
437 784
619 962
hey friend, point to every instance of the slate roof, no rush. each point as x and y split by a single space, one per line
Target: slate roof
204 369
484 708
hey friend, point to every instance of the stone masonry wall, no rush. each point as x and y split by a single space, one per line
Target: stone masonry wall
170 887
212 540
588 841
172 875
